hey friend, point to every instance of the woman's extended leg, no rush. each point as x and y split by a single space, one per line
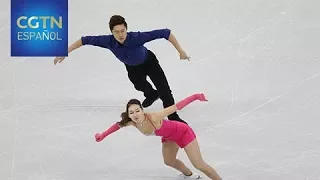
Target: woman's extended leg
195 157
169 152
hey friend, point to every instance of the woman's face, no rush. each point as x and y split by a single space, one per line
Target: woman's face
136 114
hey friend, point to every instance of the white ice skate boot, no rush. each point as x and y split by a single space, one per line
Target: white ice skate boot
193 176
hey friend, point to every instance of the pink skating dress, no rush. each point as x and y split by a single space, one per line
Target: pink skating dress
175 131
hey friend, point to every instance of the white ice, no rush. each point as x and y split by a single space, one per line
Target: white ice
257 61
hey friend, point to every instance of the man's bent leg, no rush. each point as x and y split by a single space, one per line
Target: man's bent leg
138 78
157 76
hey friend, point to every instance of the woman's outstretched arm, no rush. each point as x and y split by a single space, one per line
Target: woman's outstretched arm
113 128
180 105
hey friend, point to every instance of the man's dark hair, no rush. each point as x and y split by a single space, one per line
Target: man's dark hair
117 20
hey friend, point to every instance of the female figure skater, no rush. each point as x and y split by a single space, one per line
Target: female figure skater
174 134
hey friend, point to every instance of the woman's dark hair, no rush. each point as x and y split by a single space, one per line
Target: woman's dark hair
125 115
117 20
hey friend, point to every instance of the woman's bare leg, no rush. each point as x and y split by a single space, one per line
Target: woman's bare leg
195 157
169 152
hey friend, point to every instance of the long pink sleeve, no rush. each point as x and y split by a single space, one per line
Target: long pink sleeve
100 136
181 104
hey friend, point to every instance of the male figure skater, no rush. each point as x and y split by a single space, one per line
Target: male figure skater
140 62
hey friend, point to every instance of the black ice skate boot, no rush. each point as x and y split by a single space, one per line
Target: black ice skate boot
150 100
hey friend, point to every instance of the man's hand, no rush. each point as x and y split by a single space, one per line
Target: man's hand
175 43
183 55
58 60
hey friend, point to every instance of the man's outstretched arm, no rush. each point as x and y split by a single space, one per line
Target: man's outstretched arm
100 41
147 36
172 39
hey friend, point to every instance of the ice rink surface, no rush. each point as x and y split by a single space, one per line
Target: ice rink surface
258 62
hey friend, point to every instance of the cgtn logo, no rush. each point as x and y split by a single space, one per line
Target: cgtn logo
39 28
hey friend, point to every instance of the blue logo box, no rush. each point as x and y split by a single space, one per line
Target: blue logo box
39 28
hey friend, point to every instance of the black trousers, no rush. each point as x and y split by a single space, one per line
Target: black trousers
151 67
